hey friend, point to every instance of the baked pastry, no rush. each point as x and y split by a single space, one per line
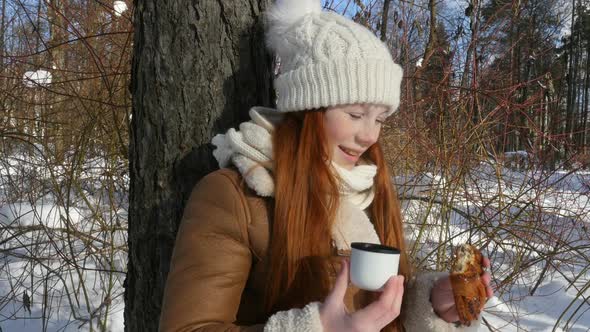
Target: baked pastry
468 288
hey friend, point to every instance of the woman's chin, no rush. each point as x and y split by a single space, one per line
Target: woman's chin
348 165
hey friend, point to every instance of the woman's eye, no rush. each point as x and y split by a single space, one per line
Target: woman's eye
379 121
354 116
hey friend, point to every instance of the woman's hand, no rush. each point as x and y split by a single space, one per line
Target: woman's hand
443 300
373 317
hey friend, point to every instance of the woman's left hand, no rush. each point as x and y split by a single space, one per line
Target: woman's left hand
443 300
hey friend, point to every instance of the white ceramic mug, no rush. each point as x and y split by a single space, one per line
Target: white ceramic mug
371 265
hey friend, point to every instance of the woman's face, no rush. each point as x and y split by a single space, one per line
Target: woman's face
351 130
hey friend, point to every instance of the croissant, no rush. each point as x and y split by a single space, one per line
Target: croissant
468 289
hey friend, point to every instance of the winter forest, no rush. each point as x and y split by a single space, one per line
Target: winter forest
491 145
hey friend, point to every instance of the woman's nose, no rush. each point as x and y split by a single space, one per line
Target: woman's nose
368 135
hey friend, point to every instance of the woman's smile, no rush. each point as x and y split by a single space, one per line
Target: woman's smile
350 155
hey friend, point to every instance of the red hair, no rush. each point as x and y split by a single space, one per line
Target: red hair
306 201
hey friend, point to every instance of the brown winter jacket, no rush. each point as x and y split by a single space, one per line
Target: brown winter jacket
217 273
225 228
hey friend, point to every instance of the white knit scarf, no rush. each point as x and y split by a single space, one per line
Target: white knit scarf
251 147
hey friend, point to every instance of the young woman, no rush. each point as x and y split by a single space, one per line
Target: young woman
262 243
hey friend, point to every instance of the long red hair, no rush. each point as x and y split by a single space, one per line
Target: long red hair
306 201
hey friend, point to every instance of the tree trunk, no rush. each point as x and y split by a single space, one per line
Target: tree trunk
384 19
7 121
571 82
586 96
473 27
37 28
470 80
511 134
197 68
2 29
576 88
421 87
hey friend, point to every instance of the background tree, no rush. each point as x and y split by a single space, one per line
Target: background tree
577 79
520 51
198 68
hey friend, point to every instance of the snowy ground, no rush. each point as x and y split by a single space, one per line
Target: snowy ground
63 242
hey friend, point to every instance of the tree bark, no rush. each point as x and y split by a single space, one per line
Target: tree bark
586 97
571 81
384 19
2 29
8 119
474 27
575 105
421 87
469 80
197 68
510 134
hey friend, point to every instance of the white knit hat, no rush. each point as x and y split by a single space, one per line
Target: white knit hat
327 59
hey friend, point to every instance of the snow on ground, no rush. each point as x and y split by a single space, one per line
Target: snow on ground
63 242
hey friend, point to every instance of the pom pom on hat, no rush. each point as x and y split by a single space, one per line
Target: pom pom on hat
282 15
